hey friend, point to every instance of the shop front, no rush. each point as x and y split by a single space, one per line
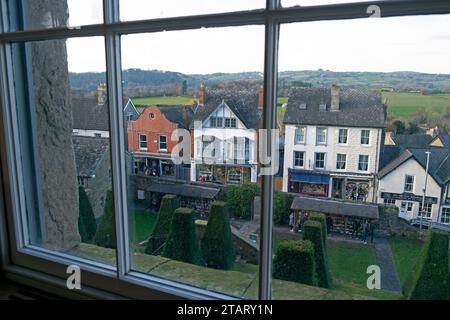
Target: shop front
351 188
223 173
308 183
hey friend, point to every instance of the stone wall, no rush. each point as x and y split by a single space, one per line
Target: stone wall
98 185
389 224
246 250
54 128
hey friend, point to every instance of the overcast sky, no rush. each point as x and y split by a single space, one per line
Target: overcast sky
391 44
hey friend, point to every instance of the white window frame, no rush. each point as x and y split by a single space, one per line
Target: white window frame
160 142
324 135
47 265
359 162
302 159
340 135
340 161
141 141
445 219
428 208
364 137
409 186
300 131
324 160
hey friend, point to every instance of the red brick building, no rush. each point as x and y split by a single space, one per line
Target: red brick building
150 144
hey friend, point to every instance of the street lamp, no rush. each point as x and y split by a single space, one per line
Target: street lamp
424 188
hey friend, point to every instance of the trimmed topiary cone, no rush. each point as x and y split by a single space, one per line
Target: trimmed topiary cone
217 244
182 244
161 230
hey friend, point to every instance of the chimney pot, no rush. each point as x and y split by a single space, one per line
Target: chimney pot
202 94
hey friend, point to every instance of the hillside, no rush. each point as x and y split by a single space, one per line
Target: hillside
137 81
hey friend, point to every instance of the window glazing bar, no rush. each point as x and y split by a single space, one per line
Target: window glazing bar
117 140
240 18
269 122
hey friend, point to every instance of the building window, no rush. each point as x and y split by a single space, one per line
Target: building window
445 215
152 116
341 160
363 162
319 160
321 136
142 141
162 143
299 159
343 136
427 210
406 206
97 135
409 183
365 137
215 122
300 135
129 116
230 122
389 201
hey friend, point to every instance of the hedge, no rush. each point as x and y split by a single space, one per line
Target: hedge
87 226
106 232
282 207
294 261
320 217
240 199
182 244
217 244
312 231
162 225
429 279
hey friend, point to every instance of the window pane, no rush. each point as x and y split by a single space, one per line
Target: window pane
186 92
360 95
143 9
40 14
65 147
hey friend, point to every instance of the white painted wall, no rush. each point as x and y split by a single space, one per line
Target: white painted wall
90 133
353 148
395 180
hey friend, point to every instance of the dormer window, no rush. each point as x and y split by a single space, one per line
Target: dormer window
323 107
303 106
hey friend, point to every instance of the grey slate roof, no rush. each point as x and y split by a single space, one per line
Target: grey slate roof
88 115
181 115
89 151
358 108
412 140
388 153
131 108
244 105
184 190
439 166
334 207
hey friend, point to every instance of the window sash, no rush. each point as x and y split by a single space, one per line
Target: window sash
365 137
319 160
321 136
300 134
162 142
409 183
142 141
363 163
343 135
341 161
299 158
111 30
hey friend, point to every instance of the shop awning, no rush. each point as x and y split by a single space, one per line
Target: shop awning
335 207
310 178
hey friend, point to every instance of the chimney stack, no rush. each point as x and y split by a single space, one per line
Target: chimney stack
335 90
261 97
101 94
201 94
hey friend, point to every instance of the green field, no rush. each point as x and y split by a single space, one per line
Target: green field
164 100
405 104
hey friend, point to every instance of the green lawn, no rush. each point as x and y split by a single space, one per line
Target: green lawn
144 223
164 100
348 261
405 104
